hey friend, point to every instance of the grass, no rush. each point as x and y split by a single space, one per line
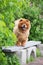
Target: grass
38 54
30 60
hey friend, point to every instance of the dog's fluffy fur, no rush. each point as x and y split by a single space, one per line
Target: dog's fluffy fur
22 30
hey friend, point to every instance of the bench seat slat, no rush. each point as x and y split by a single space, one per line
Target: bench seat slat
16 48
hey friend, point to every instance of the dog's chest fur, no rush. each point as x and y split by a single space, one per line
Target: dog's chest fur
23 35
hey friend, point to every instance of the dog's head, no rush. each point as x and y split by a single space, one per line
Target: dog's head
23 24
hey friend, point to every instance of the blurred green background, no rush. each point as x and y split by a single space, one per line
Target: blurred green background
10 10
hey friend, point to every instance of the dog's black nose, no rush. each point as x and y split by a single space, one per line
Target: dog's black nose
23 26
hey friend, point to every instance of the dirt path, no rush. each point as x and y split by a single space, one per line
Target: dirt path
38 61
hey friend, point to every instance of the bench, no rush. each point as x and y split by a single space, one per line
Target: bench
23 53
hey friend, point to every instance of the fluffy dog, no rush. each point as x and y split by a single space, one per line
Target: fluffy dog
22 30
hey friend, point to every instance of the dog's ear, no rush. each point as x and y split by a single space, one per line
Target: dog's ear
21 20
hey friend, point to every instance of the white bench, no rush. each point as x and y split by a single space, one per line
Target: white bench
23 52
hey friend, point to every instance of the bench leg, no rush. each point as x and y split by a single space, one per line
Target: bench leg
22 56
31 51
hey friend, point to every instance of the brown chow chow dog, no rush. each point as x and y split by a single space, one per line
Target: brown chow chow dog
22 30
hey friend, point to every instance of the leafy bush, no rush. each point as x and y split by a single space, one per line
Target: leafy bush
3 59
7 37
10 10
12 59
8 59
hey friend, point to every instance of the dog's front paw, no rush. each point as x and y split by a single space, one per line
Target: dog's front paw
18 43
23 43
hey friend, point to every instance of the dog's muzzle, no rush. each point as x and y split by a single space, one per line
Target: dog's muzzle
23 27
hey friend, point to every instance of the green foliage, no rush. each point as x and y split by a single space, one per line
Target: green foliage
10 10
38 52
3 59
7 37
12 59
8 59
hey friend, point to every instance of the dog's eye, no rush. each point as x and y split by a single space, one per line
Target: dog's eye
21 20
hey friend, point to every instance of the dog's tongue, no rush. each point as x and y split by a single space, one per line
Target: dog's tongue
24 29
